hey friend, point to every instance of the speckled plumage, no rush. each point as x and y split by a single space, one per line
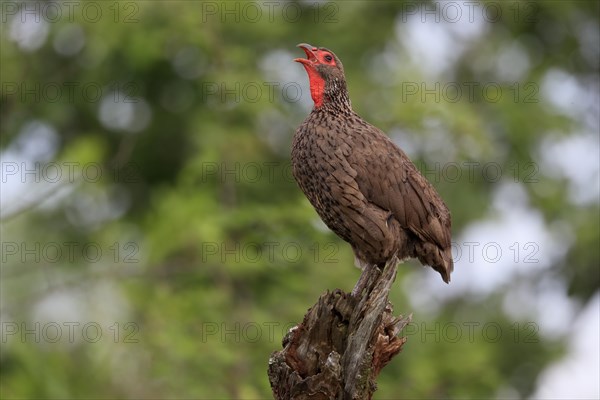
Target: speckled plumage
364 187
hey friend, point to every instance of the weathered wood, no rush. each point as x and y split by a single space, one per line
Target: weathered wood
341 345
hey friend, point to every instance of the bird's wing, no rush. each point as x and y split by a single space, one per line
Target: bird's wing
388 179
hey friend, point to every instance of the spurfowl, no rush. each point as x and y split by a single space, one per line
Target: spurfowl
360 183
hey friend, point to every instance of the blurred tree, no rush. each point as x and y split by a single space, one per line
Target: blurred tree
154 244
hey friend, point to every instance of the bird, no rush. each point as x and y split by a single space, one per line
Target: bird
361 184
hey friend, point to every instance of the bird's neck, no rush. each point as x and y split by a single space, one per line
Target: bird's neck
329 95
317 86
336 96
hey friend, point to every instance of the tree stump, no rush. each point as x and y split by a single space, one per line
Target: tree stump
341 345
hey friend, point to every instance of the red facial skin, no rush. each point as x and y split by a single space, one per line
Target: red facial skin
314 58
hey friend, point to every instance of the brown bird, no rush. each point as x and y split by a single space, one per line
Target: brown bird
361 184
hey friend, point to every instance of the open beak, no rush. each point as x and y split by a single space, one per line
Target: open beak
310 59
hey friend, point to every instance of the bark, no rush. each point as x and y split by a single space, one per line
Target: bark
341 345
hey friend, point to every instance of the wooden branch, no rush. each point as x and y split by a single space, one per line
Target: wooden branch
341 345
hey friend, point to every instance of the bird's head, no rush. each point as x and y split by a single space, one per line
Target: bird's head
326 75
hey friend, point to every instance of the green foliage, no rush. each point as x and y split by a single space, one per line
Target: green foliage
209 252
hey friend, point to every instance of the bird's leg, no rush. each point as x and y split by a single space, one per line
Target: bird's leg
363 280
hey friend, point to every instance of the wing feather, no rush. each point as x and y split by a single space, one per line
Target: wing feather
410 197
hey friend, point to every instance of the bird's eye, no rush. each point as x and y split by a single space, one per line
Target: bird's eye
328 57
